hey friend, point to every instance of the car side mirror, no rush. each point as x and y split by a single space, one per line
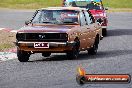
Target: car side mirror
100 20
27 22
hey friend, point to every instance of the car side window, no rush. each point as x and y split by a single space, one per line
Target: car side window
91 17
88 18
82 19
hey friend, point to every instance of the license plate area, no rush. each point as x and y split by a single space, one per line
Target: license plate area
41 45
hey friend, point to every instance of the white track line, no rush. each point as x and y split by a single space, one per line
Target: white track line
5 56
15 31
2 28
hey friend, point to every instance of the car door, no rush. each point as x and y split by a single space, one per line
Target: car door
91 32
83 31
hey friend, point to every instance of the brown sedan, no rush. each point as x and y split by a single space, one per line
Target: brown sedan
58 29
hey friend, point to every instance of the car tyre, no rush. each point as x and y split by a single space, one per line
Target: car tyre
22 56
93 50
75 50
46 54
73 54
104 32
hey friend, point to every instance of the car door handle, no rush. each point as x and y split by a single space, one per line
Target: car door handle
88 28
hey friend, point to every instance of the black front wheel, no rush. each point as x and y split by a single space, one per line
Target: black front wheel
73 54
22 56
104 32
93 50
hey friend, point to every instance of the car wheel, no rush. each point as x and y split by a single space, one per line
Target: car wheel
93 50
73 54
22 56
46 54
104 32
75 50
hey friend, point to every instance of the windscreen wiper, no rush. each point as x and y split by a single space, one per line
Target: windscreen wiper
70 22
47 22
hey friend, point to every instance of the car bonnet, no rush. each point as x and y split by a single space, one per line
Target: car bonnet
47 28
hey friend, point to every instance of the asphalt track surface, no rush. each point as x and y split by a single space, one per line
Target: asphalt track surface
114 56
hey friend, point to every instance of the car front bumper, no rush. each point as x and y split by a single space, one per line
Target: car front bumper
53 47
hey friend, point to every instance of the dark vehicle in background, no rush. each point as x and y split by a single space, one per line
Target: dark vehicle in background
95 7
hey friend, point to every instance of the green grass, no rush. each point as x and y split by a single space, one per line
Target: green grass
118 3
35 4
5 46
29 4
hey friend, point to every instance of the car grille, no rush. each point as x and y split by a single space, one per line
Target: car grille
43 37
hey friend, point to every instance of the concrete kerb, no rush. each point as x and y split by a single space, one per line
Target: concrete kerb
10 53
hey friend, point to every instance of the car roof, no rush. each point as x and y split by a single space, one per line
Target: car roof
63 8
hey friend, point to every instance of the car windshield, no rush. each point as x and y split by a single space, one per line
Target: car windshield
56 17
84 4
